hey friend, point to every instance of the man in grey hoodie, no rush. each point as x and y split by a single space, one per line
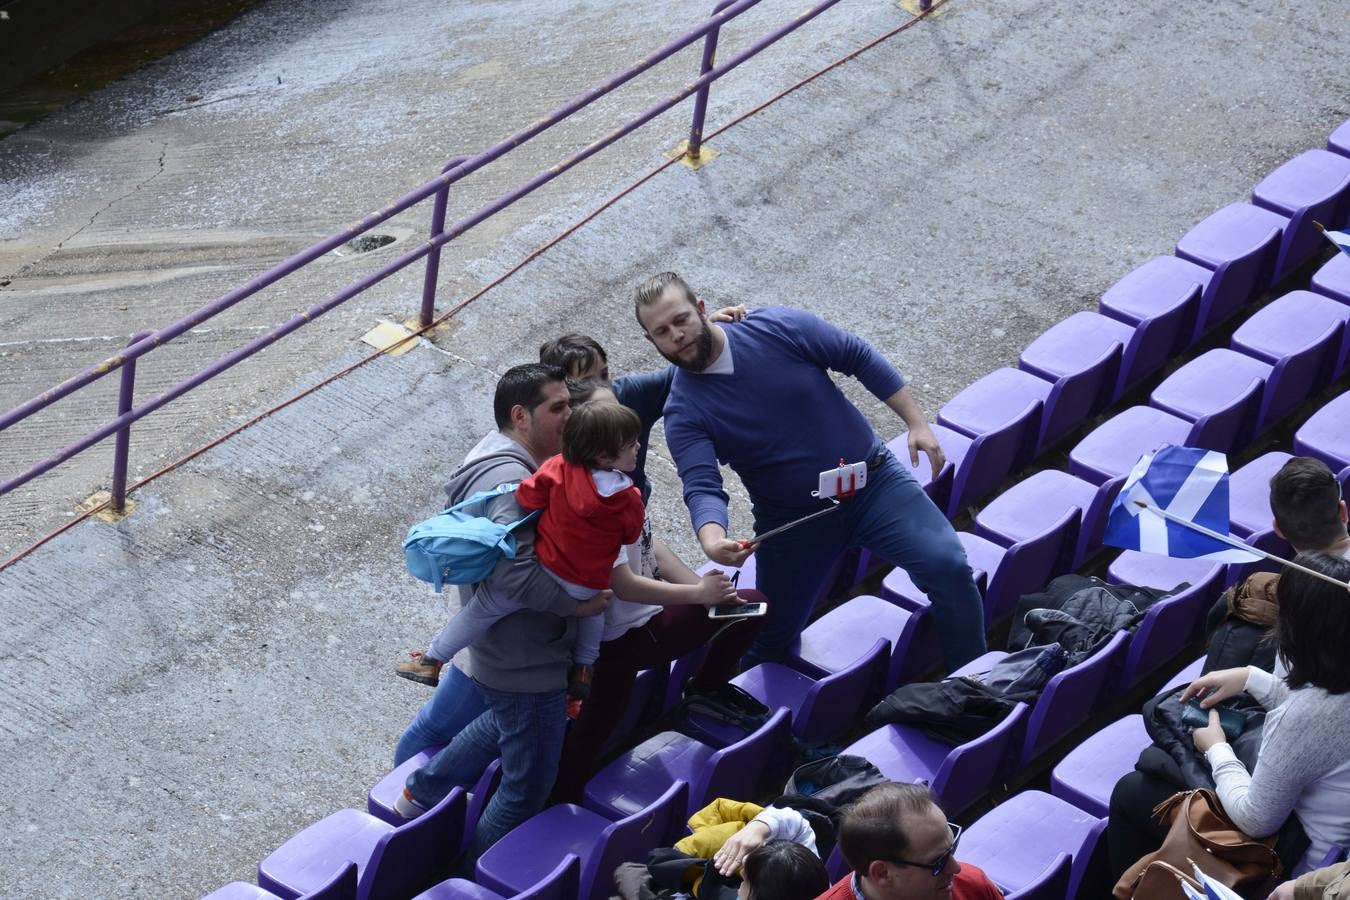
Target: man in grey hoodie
520 664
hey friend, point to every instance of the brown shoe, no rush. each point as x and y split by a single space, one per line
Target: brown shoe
420 668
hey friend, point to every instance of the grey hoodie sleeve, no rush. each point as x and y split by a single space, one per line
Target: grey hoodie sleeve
519 583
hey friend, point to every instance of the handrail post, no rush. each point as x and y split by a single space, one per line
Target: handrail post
123 446
695 144
434 257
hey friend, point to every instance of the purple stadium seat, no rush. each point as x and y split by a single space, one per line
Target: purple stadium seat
1304 336
244 890
1220 393
1051 884
821 709
534 848
637 779
1312 187
836 866
1249 494
1113 448
1022 837
955 447
1004 574
1000 414
1032 507
957 776
341 886
390 860
983 555
380 800
560 884
1327 434
1239 244
1165 573
941 489
1334 855
1068 698
1081 356
1166 629
1339 142
830 643
1333 279
1160 300
1088 773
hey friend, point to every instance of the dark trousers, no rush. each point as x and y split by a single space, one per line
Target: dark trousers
1133 832
667 636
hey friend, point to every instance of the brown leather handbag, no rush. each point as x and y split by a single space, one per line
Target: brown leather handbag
1200 831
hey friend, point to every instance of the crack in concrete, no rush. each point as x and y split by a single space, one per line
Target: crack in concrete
159 170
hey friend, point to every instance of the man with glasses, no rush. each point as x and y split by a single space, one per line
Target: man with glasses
901 847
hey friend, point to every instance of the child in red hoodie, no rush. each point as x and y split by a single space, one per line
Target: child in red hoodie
592 510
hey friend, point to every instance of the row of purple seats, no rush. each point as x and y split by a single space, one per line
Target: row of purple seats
1084 363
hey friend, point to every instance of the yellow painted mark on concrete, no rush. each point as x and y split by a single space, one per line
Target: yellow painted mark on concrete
445 329
912 7
387 334
107 513
681 152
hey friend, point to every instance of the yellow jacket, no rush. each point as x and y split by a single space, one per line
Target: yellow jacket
712 825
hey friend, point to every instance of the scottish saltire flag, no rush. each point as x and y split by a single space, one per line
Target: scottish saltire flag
1190 484
1340 238
1214 890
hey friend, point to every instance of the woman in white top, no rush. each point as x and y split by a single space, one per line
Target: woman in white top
1303 766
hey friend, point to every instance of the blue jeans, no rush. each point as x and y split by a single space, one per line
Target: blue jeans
526 731
455 704
896 520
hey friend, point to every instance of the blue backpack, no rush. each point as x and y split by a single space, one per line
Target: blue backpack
454 547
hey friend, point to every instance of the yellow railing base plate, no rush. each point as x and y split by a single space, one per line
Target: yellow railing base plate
385 335
107 513
681 152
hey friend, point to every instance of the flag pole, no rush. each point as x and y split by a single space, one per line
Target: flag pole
1234 542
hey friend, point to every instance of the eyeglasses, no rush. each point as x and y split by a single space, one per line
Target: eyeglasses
935 867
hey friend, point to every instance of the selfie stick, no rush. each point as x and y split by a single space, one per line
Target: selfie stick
793 524
1234 542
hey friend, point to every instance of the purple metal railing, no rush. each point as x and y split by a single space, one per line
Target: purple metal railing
453 171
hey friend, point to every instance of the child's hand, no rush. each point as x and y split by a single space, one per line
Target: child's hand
716 588
595 605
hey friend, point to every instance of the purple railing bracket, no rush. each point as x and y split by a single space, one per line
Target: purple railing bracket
123 445
694 147
434 257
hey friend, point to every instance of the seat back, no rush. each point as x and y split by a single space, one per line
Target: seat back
341 886
1231 427
630 839
1152 344
560 884
831 704
1093 524
1076 398
836 866
736 770
1068 698
1235 282
483 789
1027 566
1297 376
993 456
1051 884
417 854
970 769
1167 628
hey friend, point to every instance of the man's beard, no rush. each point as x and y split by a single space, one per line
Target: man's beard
703 352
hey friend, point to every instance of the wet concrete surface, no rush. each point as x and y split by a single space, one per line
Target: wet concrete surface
210 675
